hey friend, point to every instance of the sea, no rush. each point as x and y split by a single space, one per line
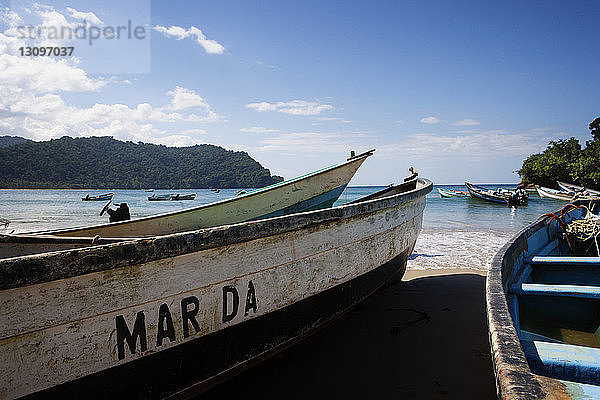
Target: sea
457 232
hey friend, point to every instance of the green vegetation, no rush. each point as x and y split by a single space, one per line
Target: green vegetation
106 163
566 161
6 141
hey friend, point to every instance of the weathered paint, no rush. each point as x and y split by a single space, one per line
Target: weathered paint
67 315
252 205
514 378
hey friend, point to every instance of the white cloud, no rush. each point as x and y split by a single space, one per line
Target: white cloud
258 129
179 33
9 18
175 140
194 132
294 107
467 122
313 142
182 98
494 143
85 16
430 120
32 103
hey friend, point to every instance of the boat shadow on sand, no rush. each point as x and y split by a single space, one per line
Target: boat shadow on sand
405 341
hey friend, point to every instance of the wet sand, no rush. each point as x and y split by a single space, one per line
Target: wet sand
422 338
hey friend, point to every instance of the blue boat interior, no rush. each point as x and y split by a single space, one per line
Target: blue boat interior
553 294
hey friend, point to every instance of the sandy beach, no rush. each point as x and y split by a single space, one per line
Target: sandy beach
424 337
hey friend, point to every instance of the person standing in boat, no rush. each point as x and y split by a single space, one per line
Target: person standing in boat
413 174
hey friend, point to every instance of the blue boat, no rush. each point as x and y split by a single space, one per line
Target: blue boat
502 196
543 307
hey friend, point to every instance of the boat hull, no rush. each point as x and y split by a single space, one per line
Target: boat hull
508 314
305 193
155 316
552 194
452 193
569 187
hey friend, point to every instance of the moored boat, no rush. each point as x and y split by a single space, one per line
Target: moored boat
100 197
502 196
571 188
447 193
178 196
160 197
543 308
544 192
312 191
171 315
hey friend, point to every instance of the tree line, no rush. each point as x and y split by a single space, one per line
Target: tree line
107 163
565 160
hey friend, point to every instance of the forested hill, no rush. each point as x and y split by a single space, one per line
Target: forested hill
106 163
565 160
10 140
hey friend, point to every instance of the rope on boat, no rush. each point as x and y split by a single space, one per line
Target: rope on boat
586 228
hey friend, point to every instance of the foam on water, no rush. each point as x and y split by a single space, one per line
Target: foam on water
456 249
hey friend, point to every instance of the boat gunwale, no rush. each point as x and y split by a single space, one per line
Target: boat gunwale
45 267
218 202
513 376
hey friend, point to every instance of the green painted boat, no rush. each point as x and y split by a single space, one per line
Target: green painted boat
313 191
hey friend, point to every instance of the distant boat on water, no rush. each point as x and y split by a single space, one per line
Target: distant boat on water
447 193
544 192
172 197
502 196
100 197
170 316
569 187
312 191
215 190
178 196
160 197
542 293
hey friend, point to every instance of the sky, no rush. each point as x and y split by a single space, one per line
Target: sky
462 91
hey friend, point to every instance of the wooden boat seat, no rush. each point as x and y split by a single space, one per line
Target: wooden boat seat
586 292
557 260
564 361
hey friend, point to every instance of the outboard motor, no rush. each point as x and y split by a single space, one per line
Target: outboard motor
120 214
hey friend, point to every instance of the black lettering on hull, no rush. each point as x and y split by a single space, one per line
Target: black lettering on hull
123 334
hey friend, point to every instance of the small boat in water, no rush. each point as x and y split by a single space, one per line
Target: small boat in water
172 197
100 197
548 193
543 308
571 188
312 191
160 197
502 196
169 316
178 196
447 193
215 190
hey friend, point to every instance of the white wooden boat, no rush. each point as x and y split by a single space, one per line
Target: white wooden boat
569 187
169 316
100 197
548 193
160 197
308 192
